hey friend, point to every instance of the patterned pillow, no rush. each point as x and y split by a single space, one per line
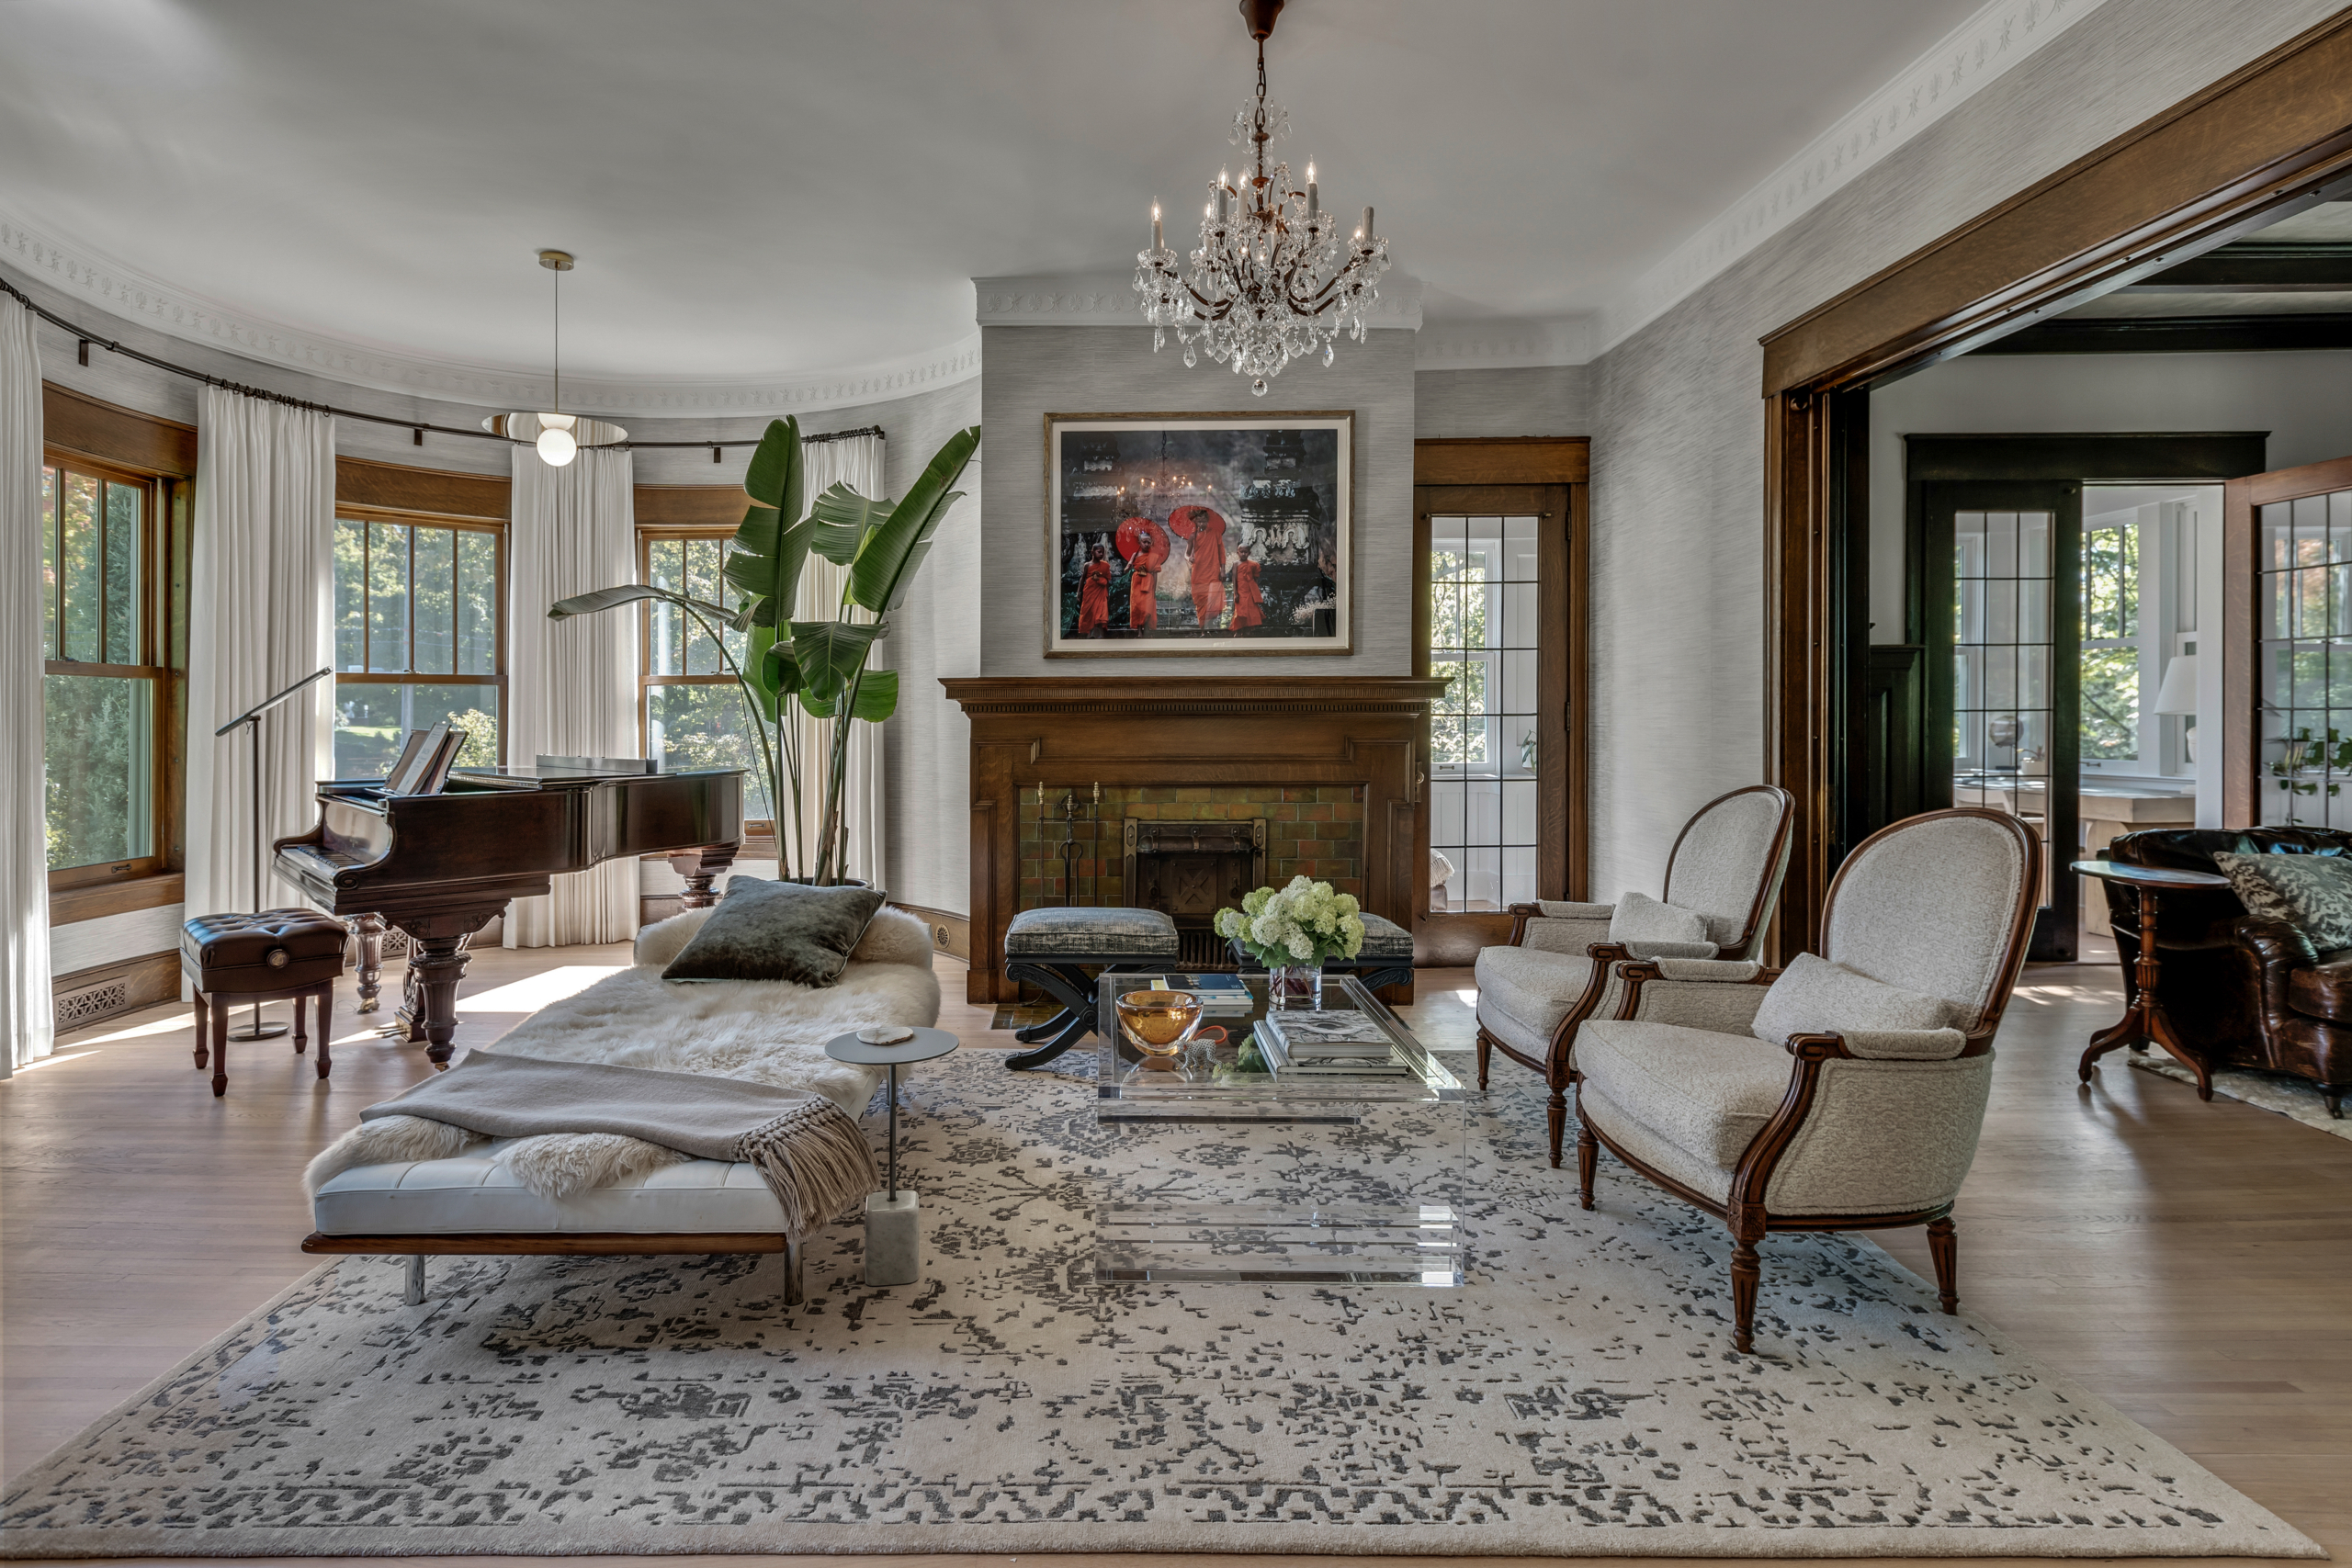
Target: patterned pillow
2310 891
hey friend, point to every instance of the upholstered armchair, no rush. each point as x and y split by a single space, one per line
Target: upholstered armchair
1845 1092
1561 964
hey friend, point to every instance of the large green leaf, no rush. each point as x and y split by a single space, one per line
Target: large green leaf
773 476
830 654
771 546
885 567
877 695
589 604
844 519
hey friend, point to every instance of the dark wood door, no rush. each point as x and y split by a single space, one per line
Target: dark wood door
2004 637
1499 619
2287 647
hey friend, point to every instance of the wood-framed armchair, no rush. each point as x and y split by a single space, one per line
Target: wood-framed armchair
1560 966
1864 1127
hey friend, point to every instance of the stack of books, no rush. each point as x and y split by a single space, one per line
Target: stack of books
1221 996
1326 1045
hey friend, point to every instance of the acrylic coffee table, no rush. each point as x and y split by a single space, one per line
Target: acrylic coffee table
1222 1174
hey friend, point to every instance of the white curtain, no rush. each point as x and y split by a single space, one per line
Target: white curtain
24 846
262 616
856 462
572 685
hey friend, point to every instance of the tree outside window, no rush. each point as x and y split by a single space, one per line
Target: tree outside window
2111 644
417 638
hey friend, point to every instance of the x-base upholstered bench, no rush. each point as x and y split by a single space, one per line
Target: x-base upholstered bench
1053 948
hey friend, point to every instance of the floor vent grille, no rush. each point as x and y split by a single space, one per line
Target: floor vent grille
72 1009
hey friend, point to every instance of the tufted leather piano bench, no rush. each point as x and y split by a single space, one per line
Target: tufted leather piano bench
268 957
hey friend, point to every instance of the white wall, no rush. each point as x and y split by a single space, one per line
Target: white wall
1678 438
1550 400
2302 399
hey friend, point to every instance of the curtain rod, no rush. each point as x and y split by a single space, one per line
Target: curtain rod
420 427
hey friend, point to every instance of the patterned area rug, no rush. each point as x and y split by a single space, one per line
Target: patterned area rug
1579 1396
2282 1092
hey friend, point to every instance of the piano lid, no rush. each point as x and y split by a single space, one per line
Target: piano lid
576 772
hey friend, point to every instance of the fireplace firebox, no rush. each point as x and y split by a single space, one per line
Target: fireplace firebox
1188 870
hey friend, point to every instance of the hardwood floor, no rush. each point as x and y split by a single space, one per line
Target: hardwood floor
2191 1263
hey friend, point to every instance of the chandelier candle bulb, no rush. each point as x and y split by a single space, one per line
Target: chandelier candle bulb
1313 199
1157 242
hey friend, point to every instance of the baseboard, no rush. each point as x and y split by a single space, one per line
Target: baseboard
110 990
950 933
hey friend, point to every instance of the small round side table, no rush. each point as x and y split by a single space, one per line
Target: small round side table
2144 1019
893 1219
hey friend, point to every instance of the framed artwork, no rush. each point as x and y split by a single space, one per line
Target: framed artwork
1199 534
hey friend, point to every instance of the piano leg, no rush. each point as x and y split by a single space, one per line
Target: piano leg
700 868
436 962
369 931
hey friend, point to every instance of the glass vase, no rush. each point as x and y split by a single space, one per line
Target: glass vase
1297 985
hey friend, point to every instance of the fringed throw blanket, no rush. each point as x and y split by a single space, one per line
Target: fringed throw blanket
813 1156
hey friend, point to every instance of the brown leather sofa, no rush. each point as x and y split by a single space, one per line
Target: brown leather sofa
2243 991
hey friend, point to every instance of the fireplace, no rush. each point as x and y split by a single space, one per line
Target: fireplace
1188 870
1330 766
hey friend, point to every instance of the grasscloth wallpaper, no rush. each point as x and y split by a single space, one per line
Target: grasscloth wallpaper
1679 429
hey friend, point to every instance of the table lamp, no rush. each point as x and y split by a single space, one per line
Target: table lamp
2177 694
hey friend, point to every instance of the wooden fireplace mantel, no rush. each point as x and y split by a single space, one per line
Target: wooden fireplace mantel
1063 731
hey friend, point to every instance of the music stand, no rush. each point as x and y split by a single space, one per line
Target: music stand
251 718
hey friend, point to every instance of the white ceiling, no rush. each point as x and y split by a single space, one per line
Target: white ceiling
757 188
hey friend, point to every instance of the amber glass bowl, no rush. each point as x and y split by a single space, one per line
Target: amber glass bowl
1157 1023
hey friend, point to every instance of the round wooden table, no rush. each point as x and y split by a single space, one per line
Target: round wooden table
2144 1019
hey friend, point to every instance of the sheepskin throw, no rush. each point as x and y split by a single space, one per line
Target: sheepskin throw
778 931
766 1032
813 1156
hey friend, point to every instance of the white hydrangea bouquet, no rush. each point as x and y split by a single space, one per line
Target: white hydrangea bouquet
1293 932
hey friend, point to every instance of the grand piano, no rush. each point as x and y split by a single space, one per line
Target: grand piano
441 867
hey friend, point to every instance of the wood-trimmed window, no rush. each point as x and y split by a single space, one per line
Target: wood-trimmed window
419 635
105 687
690 711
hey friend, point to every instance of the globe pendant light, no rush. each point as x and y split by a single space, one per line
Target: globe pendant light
557 436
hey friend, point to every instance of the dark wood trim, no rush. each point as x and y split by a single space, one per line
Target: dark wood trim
1168 695
1797 655
436 493
714 507
71 906
2065 458
1576 739
82 424
2263 267
2274 130
1503 460
2179 334
2240 726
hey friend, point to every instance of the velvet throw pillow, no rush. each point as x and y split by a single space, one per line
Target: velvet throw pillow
2310 891
1814 996
1640 918
778 931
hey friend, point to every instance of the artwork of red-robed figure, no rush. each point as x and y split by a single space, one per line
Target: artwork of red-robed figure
1248 599
1094 594
1205 529
1144 545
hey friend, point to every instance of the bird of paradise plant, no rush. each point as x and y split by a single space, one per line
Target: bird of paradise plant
820 665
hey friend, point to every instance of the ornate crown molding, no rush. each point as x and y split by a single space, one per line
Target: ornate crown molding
1109 299
1504 345
1972 55
125 291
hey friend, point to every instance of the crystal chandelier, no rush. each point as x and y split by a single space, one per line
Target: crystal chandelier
1272 279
